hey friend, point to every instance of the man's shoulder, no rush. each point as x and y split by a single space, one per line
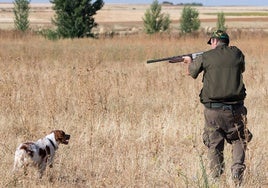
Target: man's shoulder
208 52
234 49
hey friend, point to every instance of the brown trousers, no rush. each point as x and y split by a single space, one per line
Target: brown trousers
226 124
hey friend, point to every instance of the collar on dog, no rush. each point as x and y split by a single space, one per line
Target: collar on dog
52 143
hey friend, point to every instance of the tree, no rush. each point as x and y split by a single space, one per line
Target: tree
189 20
74 18
221 22
154 21
21 12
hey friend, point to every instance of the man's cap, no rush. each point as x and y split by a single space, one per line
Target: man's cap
219 34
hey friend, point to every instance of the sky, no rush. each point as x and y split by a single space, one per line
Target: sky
204 2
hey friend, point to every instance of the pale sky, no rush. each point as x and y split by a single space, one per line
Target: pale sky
204 2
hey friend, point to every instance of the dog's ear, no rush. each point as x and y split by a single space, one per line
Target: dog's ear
61 137
57 132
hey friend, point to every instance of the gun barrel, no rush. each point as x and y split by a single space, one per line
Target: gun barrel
158 60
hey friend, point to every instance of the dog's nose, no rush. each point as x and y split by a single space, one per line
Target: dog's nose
67 136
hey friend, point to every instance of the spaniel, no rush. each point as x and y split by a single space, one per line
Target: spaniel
40 153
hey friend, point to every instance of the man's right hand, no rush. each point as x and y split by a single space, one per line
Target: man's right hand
187 60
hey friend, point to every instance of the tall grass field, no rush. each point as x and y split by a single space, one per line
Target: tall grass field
132 124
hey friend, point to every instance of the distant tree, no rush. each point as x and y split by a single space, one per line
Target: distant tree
74 18
154 21
221 22
21 12
167 3
189 21
190 4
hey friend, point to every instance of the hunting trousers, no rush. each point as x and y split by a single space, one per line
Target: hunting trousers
226 123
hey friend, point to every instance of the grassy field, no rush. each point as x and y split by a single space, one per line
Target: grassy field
131 124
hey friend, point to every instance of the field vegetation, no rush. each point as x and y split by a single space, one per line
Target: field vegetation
132 124
241 13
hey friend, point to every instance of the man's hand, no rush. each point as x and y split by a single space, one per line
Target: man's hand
187 60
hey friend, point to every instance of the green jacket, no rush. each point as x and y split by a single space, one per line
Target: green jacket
222 69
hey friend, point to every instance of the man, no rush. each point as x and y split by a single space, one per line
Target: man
223 95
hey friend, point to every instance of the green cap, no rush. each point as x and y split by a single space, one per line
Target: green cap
218 34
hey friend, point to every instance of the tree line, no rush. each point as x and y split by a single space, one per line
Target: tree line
182 4
74 19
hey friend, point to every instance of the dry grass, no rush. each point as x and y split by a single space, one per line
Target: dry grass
131 124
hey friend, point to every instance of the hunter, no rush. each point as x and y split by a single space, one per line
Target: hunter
223 96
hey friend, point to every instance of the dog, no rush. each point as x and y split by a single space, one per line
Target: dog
40 153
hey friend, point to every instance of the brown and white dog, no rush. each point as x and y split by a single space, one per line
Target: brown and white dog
40 153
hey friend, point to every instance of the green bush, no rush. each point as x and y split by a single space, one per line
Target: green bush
21 12
189 21
154 21
221 21
74 18
49 34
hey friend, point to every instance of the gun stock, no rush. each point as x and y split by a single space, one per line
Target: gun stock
175 59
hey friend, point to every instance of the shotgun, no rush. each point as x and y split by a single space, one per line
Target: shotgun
175 59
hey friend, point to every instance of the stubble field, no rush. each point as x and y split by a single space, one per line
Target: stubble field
131 124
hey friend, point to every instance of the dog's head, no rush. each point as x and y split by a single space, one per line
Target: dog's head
61 137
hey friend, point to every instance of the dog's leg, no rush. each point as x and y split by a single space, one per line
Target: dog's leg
19 163
42 168
25 170
40 173
15 167
50 161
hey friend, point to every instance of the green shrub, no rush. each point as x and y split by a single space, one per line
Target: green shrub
154 21
189 21
221 21
74 19
49 34
21 13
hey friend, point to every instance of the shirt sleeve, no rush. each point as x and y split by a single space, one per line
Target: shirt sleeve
196 67
242 57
